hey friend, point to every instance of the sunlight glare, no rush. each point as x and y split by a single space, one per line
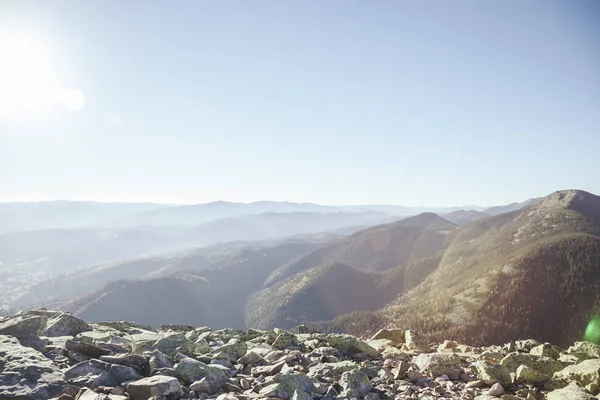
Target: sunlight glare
72 99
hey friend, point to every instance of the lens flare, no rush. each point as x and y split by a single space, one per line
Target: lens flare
592 332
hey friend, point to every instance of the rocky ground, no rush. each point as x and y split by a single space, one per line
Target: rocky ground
47 354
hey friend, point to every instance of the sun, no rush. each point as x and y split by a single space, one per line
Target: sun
29 81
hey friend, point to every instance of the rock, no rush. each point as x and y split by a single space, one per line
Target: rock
174 344
65 325
586 373
210 384
526 345
492 373
251 357
26 374
438 364
301 395
34 342
21 326
527 374
331 369
571 392
348 344
585 350
94 373
157 360
448 345
234 347
285 340
226 396
496 390
545 365
545 350
414 341
357 380
191 370
153 386
395 335
131 360
380 344
87 394
287 384
86 348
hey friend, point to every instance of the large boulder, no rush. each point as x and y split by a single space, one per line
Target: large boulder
395 335
234 347
90 350
173 344
545 365
191 370
586 373
492 373
527 374
94 373
286 385
21 326
414 341
348 344
134 361
26 374
585 350
65 325
571 392
357 380
439 364
285 340
159 386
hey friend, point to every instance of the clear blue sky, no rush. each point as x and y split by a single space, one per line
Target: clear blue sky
340 102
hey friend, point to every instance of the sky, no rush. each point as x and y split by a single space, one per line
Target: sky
429 103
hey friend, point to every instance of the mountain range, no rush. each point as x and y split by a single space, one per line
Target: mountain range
479 275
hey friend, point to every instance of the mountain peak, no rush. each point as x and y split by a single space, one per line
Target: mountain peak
571 199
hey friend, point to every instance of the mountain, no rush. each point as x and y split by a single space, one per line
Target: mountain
194 215
270 225
376 249
509 207
65 214
209 289
463 217
532 272
330 290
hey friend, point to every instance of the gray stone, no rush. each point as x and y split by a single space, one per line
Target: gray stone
395 335
571 392
153 386
527 374
348 344
586 373
414 341
174 344
545 365
286 384
131 360
26 374
492 373
439 364
285 340
356 380
157 360
234 347
191 370
496 390
585 350
34 342
86 348
21 326
65 325
94 373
